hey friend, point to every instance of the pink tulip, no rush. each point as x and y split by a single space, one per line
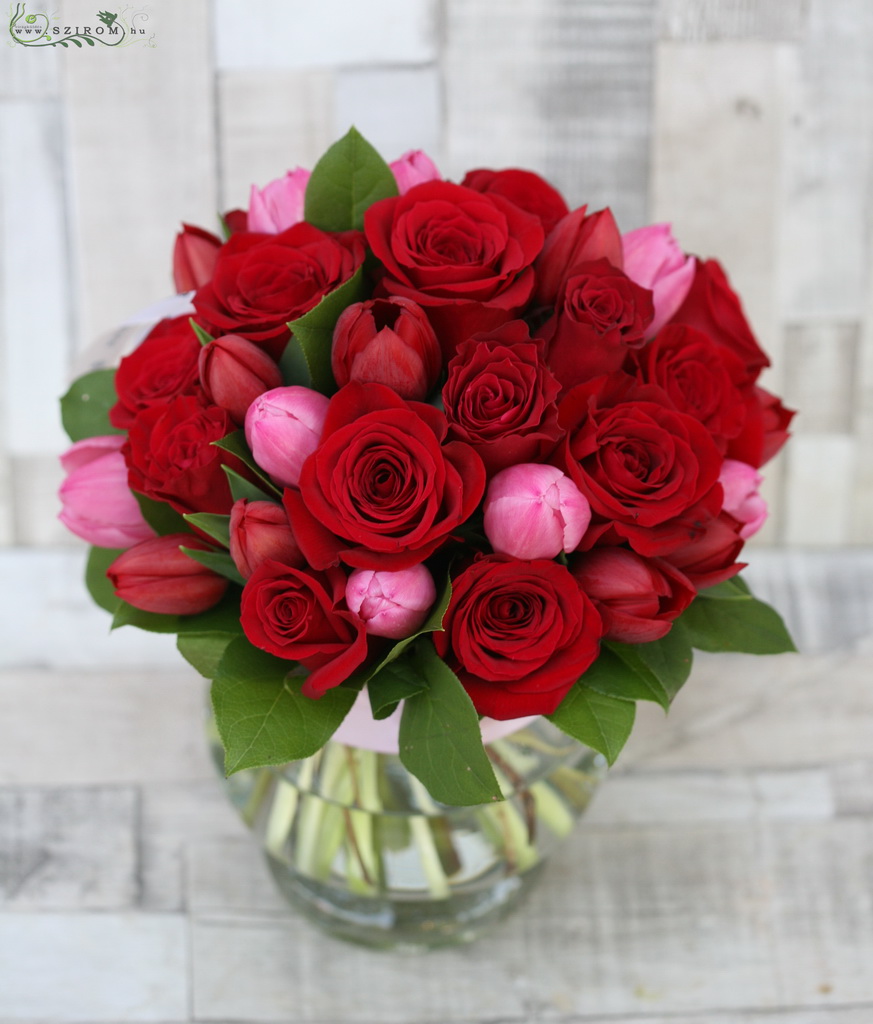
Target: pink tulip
533 510
653 259
414 168
260 532
283 428
98 505
741 499
392 604
279 205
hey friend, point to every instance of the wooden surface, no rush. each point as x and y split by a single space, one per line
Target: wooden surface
724 874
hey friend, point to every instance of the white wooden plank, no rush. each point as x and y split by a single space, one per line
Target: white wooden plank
853 787
707 20
862 510
93 967
818 490
29 73
273 34
228 876
36 480
271 121
821 374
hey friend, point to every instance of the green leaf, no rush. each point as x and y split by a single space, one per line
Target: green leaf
85 407
222 618
217 561
394 683
314 331
152 622
202 336
262 716
440 739
160 516
350 177
204 650
655 671
235 443
242 488
96 580
668 659
732 588
747 625
293 366
215 526
603 723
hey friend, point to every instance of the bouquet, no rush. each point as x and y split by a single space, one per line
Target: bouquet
452 451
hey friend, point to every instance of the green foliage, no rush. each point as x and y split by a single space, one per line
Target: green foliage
215 526
733 620
160 516
240 487
602 722
202 336
293 365
85 407
204 650
654 671
392 684
217 561
235 443
96 580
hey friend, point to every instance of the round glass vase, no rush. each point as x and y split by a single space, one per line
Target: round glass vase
356 843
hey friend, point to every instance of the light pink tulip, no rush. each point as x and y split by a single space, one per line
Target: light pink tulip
414 168
653 259
283 428
392 604
534 511
98 505
279 205
741 499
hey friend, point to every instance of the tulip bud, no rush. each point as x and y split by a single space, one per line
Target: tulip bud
533 510
638 598
386 341
392 604
413 168
234 371
653 259
98 505
740 482
283 428
157 576
194 256
279 205
259 530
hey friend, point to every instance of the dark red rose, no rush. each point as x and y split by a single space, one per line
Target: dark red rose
163 365
578 238
157 576
713 307
500 398
518 634
638 598
194 256
260 532
639 461
600 316
302 615
382 490
697 375
709 555
524 188
765 429
387 341
234 371
263 281
464 256
170 456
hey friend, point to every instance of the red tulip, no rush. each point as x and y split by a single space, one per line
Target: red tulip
194 256
234 372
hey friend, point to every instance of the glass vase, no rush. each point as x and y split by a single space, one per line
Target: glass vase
356 843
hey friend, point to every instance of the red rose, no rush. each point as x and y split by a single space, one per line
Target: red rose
713 307
578 238
263 281
697 375
382 490
170 456
519 634
463 256
600 315
163 365
527 190
639 462
764 431
302 615
638 598
500 398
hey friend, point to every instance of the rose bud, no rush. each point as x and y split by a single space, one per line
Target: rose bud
740 482
259 530
98 505
413 168
392 604
387 341
194 256
283 427
279 205
638 598
234 371
157 576
534 511
576 239
653 259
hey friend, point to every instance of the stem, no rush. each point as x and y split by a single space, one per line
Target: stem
423 837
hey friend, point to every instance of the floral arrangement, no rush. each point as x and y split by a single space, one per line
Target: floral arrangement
454 447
